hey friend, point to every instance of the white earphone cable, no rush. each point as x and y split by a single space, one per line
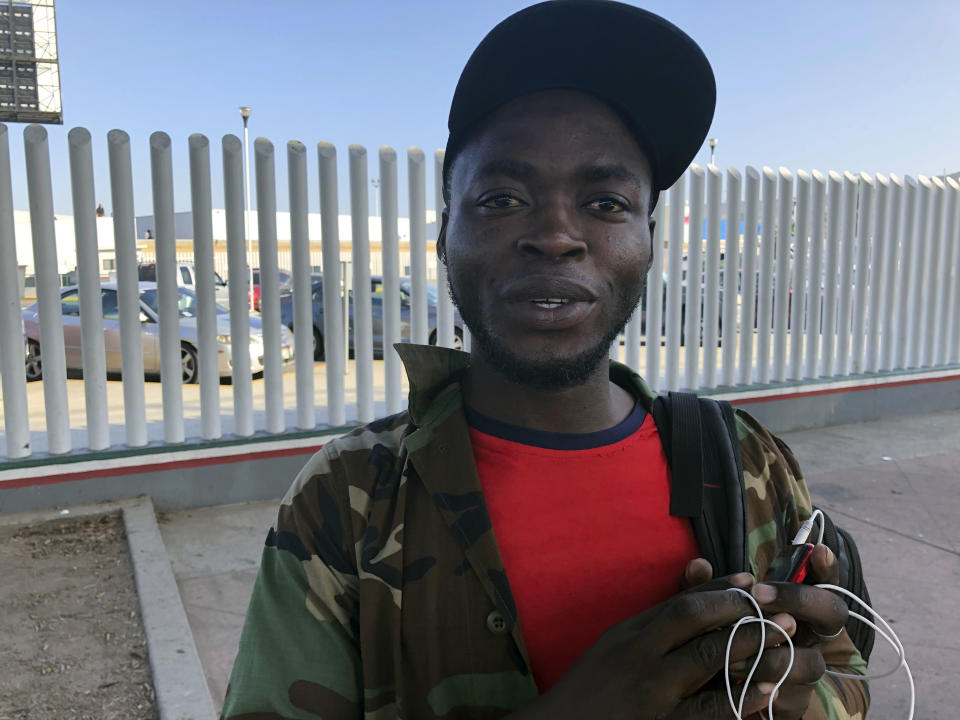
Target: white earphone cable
881 626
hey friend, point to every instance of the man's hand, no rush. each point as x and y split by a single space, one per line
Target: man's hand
654 665
820 614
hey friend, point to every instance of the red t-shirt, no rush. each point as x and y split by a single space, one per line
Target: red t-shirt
584 530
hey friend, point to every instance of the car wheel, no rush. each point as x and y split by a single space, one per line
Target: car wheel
188 363
317 345
33 365
457 338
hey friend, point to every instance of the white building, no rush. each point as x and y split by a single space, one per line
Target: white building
183 224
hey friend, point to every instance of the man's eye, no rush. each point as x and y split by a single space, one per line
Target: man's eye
501 202
607 205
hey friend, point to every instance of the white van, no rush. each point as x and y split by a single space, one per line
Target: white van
187 277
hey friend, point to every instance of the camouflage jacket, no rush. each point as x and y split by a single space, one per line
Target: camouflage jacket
381 592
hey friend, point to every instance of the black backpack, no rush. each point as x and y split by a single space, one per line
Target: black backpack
700 440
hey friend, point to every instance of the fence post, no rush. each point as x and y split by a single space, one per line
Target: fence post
675 283
165 244
362 310
908 243
731 279
891 299
333 328
302 284
91 305
419 332
390 250
128 290
798 284
934 282
830 269
921 243
202 211
881 235
749 295
950 352
861 279
692 284
782 278
654 312
848 242
711 277
765 284
16 416
815 276
269 283
53 360
446 334
239 283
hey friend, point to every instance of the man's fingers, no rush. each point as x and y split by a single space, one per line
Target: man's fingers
825 612
699 570
714 705
824 567
694 663
689 615
808 666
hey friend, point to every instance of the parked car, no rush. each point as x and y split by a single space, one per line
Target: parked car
286 285
150 335
376 289
187 277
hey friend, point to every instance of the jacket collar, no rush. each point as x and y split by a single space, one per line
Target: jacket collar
429 370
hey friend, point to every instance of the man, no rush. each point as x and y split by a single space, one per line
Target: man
505 546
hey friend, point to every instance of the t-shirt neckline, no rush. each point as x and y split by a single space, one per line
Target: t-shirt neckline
557 441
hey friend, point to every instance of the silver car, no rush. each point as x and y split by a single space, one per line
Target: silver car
150 335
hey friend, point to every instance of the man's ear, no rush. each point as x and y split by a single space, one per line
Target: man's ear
442 237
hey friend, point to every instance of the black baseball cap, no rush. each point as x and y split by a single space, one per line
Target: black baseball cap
647 69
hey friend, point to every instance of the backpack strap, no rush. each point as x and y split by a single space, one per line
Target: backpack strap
730 466
700 441
686 455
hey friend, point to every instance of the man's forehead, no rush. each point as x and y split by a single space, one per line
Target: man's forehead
583 133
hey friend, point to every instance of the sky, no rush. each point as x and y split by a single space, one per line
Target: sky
865 85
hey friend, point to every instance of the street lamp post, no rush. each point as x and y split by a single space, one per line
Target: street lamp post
376 192
712 142
245 114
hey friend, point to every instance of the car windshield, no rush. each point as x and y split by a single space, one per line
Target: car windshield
431 291
186 302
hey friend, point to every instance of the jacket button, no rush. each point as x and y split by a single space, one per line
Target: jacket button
496 624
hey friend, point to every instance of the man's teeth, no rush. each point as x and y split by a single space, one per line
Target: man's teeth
549 303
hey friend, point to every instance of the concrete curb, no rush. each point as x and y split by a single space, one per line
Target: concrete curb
178 679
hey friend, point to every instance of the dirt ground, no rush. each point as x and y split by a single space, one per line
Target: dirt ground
73 646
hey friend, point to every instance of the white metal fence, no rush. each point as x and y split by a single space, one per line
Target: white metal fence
760 278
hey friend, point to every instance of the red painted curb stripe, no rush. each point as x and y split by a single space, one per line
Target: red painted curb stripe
159 467
834 391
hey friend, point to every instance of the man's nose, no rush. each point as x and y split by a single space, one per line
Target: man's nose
554 235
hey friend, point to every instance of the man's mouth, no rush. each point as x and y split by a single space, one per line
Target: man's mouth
550 303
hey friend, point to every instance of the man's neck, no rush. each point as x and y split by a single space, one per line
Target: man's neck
596 405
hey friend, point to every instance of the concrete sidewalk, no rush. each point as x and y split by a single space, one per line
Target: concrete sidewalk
893 483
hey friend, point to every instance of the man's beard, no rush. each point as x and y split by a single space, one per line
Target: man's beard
547 371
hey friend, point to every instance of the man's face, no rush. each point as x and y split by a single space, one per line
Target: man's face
548 236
